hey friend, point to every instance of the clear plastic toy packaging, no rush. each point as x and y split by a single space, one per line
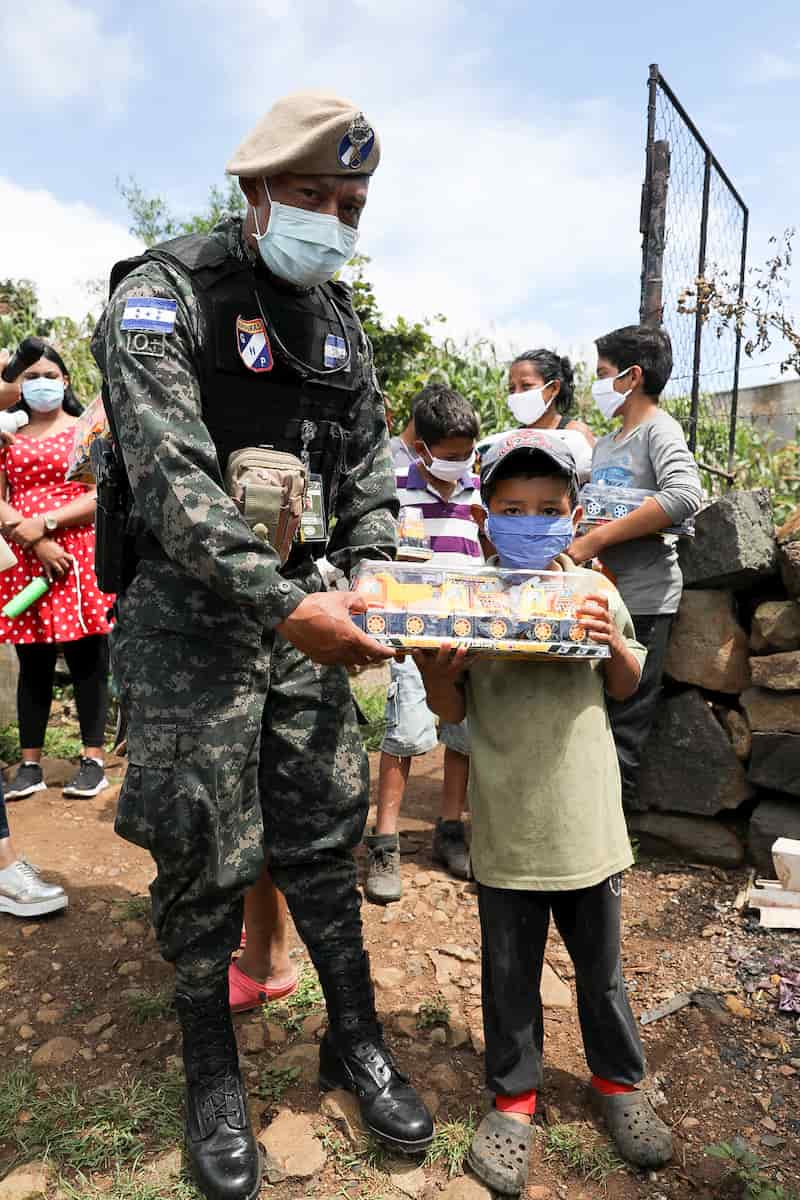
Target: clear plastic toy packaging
507 614
607 502
414 545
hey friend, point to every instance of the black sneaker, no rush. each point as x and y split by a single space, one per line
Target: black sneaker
90 780
28 779
450 848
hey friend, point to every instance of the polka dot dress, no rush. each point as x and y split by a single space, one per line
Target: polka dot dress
35 470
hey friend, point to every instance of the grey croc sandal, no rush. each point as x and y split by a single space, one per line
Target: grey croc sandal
500 1151
639 1134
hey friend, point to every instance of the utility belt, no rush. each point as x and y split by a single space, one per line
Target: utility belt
278 496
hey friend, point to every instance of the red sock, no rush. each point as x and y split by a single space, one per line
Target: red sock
525 1102
607 1087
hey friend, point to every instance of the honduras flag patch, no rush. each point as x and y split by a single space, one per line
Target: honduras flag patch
149 314
253 343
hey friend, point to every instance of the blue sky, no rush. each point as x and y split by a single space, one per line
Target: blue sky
508 194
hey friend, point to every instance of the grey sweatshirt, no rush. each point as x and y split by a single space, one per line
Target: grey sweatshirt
654 456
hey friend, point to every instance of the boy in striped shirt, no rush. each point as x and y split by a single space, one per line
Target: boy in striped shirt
440 482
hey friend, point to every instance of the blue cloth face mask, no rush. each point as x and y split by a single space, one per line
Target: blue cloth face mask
43 395
529 543
304 248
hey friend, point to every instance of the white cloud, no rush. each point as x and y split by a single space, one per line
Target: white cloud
769 67
490 205
61 247
56 51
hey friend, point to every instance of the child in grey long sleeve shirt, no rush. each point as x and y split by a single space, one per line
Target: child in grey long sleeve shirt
649 451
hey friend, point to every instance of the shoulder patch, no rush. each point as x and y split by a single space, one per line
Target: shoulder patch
149 314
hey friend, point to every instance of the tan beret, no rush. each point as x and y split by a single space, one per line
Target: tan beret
309 133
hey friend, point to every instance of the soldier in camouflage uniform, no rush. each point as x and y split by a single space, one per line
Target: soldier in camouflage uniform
231 666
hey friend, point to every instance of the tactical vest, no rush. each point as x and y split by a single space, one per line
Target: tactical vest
294 405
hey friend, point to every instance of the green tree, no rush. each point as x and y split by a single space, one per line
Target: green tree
20 316
152 220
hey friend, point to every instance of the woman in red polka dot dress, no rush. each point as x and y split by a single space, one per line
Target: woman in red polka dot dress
50 524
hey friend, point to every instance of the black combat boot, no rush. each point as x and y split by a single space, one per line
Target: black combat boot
220 1147
353 1055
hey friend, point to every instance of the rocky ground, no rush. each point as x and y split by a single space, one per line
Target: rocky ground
90 1086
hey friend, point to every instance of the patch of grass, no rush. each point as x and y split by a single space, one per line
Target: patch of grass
581 1151
748 1171
373 706
137 908
17 1091
350 1162
109 1128
151 1006
435 1011
274 1082
451 1141
129 1187
60 741
292 1011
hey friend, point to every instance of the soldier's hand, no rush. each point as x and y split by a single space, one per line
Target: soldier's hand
321 626
9 392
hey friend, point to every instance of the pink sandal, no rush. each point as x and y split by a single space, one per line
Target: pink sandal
246 993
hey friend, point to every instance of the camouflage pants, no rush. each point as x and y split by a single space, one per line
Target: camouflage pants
232 752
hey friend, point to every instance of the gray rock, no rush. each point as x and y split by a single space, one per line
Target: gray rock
778 672
772 712
696 839
689 765
776 626
773 818
734 543
708 646
775 762
789 567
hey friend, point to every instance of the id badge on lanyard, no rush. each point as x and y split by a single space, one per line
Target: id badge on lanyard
313 523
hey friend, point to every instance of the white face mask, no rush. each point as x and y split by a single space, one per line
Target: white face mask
447 471
304 248
528 407
606 397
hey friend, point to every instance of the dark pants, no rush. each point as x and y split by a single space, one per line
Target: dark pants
234 751
4 830
87 660
514 928
632 719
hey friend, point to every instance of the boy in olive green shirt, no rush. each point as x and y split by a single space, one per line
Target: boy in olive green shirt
548 831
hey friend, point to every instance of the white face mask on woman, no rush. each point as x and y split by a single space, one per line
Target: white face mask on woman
528 407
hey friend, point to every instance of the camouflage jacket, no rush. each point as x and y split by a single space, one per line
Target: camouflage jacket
219 575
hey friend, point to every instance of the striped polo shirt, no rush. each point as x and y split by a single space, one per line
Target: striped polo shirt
448 523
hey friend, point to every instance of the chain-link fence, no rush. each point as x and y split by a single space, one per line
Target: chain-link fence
693 224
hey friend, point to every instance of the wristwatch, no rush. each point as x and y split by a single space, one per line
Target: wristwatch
50 523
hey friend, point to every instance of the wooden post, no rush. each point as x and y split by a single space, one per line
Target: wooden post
654 224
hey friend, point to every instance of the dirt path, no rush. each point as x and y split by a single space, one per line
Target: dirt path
94 977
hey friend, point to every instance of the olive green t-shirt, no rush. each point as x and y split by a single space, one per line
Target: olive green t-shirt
544 784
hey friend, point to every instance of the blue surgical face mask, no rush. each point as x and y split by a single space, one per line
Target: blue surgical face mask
529 543
304 248
43 395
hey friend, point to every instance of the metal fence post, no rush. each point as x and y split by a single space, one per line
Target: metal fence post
699 311
738 351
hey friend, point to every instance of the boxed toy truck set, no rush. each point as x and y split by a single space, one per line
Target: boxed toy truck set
608 502
520 614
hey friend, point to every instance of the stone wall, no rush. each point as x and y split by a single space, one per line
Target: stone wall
9 671
721 771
